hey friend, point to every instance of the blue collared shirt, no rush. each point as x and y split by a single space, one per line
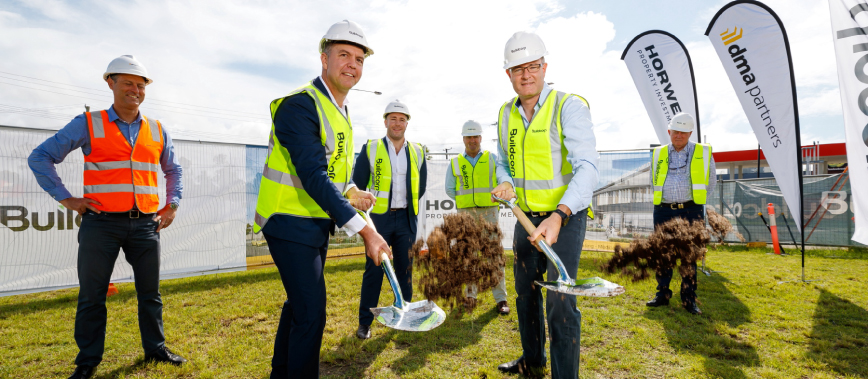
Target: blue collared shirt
450 178
581 147
75 134
677 188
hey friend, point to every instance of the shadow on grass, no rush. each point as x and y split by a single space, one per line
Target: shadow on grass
839 338
352 357
725 352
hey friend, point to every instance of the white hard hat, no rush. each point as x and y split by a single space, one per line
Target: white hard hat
471 128
397 107
523 47
348 31
682 122
127 64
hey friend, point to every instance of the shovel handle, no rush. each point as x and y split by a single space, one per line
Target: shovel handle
383 258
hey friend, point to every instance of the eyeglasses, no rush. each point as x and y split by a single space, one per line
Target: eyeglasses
520 70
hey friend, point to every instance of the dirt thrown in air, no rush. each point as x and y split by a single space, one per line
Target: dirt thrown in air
672 241
720 226
464 250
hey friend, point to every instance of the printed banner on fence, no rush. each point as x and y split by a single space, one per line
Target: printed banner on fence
438 204
38 237
663 74
752 45
849 26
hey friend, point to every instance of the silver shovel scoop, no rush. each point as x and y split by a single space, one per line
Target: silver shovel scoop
595 287
419 316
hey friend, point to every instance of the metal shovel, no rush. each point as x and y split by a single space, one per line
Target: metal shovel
419 316
595 287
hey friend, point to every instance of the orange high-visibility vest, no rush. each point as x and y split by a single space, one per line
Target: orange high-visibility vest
118 175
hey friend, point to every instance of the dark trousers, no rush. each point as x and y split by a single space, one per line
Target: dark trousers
688 283
396 231
565 320
100 240
302 321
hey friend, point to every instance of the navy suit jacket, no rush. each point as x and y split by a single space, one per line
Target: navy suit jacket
296 125
362 175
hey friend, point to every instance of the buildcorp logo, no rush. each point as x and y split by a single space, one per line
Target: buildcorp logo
18 218
739 59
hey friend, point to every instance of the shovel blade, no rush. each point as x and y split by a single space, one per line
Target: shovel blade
593 287
420 316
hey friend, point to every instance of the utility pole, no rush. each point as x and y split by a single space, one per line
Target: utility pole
446 152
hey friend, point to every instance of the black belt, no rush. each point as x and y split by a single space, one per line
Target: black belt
683 205
135 213
538 214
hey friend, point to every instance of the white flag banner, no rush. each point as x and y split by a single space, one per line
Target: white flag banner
663 74
849 29
751 42
39 238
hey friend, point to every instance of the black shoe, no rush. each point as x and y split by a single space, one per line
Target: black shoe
166 356
692 308
658 301
364 332
83 372
519 366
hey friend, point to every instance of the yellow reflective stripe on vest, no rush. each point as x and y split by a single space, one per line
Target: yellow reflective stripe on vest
281 190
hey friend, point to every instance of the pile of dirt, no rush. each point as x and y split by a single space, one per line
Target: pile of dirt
464 250
672 241
720 226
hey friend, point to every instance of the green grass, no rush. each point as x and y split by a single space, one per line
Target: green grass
752 326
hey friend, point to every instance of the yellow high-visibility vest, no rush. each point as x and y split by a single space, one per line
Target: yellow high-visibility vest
537 155
473 184
381 173
700 171
281 190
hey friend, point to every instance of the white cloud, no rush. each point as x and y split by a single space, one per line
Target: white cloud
443 59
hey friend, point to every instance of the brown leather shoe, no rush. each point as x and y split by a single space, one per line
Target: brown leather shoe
502 308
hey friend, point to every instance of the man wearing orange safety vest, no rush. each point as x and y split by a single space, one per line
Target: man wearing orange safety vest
123 152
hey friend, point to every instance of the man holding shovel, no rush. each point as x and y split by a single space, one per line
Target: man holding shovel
303 195
469 182
548 161
394 170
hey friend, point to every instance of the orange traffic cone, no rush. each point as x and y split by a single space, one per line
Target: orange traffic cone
112 290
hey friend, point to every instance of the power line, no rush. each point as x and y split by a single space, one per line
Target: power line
102 93
157 107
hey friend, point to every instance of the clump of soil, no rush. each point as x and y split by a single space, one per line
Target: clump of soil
672 241
464 250
720 226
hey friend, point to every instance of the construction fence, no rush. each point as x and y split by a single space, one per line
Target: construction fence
623 204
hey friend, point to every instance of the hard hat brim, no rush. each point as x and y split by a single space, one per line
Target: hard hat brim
680 129
405 114
107 74
368 51
522 61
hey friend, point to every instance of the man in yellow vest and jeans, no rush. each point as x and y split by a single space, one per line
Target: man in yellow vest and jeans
302 196
394 170
469 182
548 160
683 177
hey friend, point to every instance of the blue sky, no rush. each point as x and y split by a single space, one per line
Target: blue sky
218 64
